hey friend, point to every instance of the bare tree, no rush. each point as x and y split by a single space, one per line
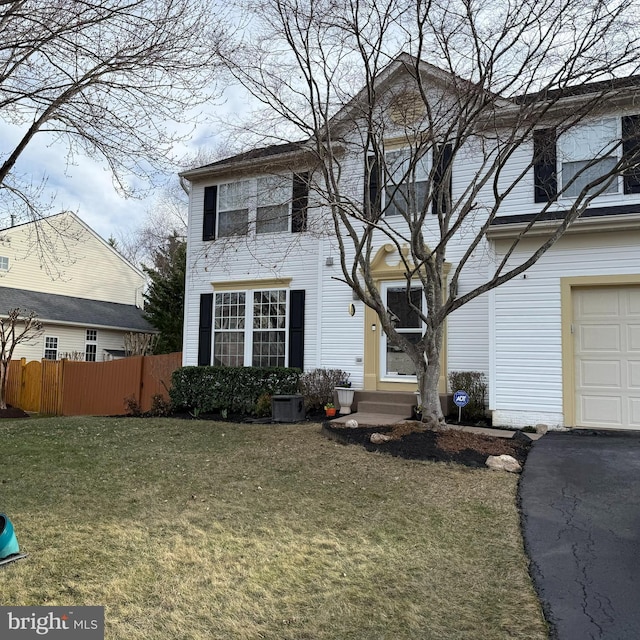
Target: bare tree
19 326
104 77
507 80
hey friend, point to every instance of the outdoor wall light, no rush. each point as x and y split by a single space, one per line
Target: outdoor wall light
352 309
373 327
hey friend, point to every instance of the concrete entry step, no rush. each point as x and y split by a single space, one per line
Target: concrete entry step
390 402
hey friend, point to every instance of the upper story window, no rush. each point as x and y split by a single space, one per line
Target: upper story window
566 164
274 198
407 186
276 203
586 153
50 348
4 263
404 187
233 209
91 345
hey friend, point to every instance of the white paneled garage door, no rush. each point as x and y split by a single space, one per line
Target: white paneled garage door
606 326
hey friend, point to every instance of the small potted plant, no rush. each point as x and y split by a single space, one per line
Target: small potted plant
345 396
330 409
417 412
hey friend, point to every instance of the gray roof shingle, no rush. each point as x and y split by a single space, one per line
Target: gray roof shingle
55 308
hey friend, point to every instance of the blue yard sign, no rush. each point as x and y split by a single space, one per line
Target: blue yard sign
461 398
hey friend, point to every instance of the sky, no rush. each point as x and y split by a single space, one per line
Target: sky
86 186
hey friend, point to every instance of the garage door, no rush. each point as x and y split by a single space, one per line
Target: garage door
606 326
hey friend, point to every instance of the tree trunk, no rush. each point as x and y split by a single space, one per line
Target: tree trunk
4 368
428 378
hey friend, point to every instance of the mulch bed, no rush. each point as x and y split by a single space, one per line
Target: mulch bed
414 442
13 412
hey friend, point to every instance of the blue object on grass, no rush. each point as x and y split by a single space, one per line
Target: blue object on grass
8 541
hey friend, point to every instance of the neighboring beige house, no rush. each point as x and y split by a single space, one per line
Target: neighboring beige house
84 292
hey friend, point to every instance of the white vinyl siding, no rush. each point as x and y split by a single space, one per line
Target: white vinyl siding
527 374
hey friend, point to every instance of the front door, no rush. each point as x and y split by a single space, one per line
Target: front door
395 365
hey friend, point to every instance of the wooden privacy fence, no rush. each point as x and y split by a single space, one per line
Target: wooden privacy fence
70 388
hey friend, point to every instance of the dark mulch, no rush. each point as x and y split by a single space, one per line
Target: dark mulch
415 443
13 412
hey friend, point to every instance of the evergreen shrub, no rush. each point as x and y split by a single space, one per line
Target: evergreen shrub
229 389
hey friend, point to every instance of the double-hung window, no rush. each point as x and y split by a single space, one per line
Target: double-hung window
91 345
406 183
274 197
250 328
233 209
50 348
586 153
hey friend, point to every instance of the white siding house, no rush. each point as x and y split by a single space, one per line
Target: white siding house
559 343
86 295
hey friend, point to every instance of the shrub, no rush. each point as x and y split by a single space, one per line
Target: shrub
229 389
317 386
263 405
475 384
132 406
159 406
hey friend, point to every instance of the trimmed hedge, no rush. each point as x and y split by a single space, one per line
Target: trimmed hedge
234 389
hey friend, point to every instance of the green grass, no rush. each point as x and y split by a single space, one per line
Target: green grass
204 530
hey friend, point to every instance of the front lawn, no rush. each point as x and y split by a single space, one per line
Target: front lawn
209 530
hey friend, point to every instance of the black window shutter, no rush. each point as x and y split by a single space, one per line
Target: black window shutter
205 333
372 188
296 328
300 202
210 209
631 152
442 192
545 178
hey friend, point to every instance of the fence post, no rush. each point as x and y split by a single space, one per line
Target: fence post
23 367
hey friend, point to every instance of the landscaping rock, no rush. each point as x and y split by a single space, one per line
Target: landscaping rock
542 429
351 424
521 436
379 438
503 463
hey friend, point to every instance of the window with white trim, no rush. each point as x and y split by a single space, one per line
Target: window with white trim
4 263
274 196
50 348
406 187
91 345
233 209
587 152
250 328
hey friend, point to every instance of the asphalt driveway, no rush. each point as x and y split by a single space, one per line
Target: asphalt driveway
580 500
